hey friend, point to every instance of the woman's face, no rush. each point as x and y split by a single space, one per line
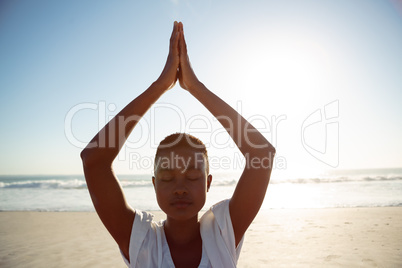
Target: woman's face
181 182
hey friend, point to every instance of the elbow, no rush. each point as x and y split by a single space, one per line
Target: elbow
92 157
87 158
271 150
262 151
262 158
268 150
270 155
89 153
84 157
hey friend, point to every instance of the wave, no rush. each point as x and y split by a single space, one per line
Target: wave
45 184
81 184
337 179
133 183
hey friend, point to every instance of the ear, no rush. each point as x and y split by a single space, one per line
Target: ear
209 180
153 181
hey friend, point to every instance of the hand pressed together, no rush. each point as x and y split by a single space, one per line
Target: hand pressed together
178 65
169 74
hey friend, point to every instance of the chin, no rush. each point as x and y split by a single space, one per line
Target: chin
182 213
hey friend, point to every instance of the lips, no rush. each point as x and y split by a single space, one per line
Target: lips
181 203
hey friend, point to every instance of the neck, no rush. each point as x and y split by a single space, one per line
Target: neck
182 232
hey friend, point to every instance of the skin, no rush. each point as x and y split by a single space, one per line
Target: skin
181 190
180 198
181 193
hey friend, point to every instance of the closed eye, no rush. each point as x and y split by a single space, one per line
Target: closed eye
165 176
166 179
193 175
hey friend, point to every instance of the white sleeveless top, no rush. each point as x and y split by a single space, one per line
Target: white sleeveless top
149 248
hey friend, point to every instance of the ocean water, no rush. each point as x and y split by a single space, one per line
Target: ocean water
338 188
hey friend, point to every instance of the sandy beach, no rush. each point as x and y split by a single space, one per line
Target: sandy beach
333 237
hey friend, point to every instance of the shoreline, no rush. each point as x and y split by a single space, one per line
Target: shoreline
156 212
279 237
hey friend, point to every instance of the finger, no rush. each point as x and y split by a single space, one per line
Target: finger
174 32
183 45
180 26
175 27
174 40
182 36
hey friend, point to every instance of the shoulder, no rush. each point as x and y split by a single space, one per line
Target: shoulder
144 239
144 226
218 235
221 206
218 212
218 218
143 218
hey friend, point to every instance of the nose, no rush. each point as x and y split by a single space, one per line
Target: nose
180 187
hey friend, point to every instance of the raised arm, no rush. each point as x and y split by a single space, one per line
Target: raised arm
250 190
104 188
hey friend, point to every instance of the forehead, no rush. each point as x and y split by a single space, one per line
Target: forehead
180 159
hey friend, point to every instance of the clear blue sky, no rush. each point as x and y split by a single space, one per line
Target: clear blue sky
278 58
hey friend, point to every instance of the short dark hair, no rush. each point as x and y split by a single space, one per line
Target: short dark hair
182 140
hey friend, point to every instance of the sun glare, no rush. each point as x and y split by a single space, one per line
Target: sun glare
295 65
